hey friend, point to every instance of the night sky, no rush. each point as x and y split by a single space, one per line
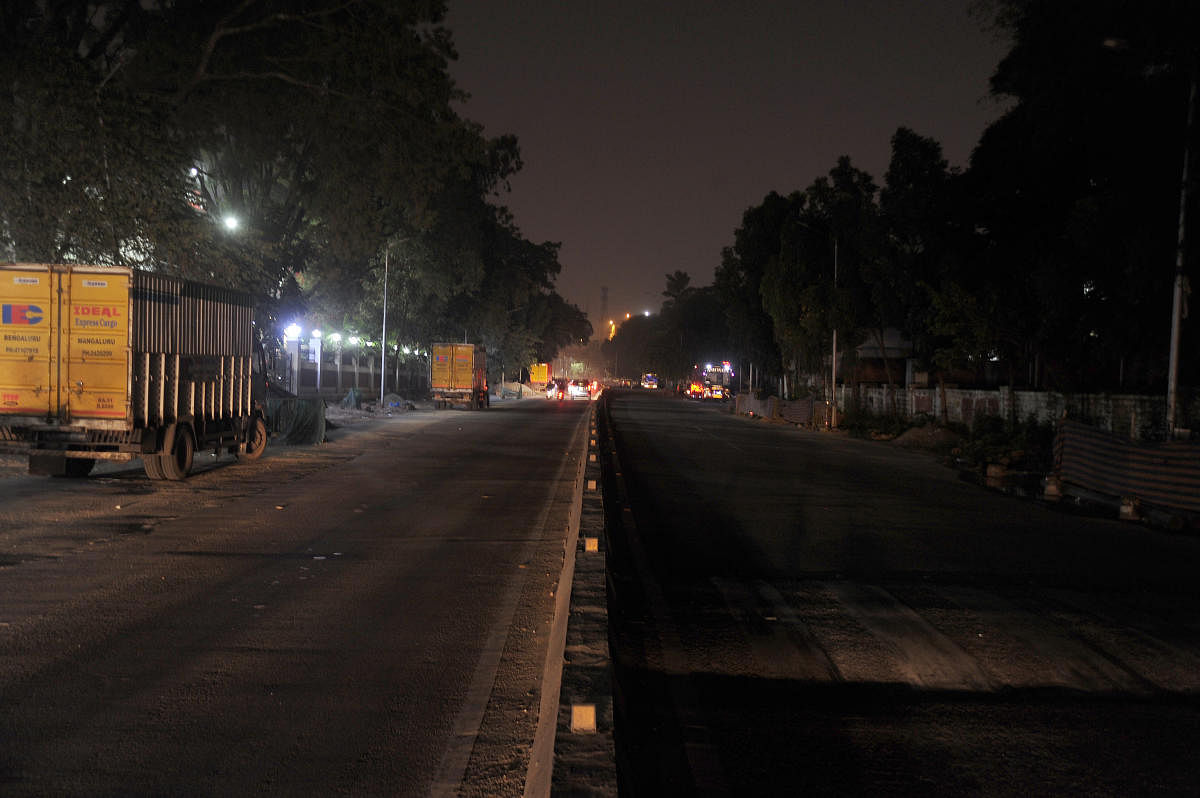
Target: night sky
648 127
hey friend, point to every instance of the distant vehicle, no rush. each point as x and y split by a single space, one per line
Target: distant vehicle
579 389
711 382
556 389
650 381
540 374
112 363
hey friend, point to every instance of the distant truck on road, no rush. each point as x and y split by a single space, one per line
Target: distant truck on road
458 375
113 363
540 374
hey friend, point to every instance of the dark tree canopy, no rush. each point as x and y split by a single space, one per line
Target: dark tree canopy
324 129
1048 263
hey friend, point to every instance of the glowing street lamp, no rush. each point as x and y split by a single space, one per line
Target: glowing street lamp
231 222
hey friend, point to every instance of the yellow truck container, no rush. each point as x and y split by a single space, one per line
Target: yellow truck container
458 375
112 363
540 374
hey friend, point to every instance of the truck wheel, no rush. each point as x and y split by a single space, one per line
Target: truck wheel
77 467
176 464
256 440
152 465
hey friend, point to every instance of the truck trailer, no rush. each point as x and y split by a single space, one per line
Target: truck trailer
458 375
113 363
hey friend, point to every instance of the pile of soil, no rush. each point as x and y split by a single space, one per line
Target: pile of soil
928 438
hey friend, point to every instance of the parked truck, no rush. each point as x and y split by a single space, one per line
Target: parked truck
113 363
458 375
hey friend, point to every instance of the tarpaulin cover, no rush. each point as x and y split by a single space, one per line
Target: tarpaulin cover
297 421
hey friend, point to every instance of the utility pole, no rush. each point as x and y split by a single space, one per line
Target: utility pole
1177 294
833 385
383 342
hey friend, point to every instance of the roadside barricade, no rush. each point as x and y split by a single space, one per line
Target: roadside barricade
1165 475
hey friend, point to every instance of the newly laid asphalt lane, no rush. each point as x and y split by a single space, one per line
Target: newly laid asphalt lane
364 617
804 613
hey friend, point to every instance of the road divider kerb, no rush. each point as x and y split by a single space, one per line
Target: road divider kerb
540 772
584 752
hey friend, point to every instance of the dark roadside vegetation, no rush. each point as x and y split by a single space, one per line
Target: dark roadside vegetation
1025 446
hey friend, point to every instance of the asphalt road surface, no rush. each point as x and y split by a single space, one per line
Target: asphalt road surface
364 617
801 613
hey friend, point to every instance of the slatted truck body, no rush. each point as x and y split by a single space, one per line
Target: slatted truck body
111 363
458 375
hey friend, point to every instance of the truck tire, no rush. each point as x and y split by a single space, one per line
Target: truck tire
178 462
152 465
256 441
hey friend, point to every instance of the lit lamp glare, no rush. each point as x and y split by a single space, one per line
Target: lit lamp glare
292 331
231 222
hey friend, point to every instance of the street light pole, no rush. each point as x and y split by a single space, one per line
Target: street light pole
1177 295
833 387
